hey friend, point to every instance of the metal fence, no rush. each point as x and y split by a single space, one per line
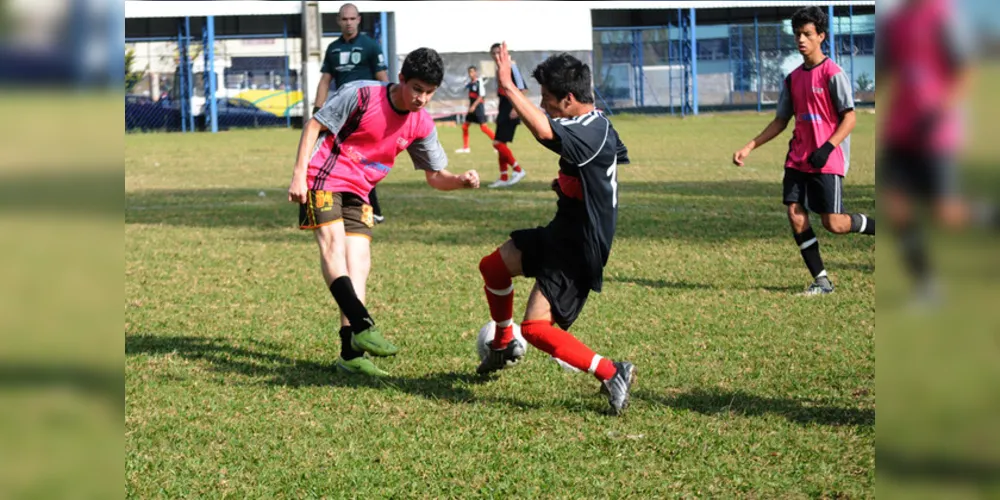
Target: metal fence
255 82
738 66
668 69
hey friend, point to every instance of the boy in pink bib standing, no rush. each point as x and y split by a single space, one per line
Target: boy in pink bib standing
348 147
819 95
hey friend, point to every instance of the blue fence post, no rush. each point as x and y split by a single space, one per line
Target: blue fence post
694 61
184 103
640 75
833 37
383 20
851 14
288 80
670 67
760 63
209 74
190 71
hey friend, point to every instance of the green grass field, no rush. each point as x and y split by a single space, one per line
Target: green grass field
744 389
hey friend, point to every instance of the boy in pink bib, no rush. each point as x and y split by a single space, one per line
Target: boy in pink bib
821 99
348 147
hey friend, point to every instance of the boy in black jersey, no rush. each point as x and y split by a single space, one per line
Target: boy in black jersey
477 111
567 256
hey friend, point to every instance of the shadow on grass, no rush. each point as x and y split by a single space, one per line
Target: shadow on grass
939 468
685 285
252 358
741 403
685 211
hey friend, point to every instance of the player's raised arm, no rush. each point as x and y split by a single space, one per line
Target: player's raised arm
531 115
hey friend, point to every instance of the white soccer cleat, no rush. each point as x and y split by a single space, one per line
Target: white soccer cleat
463 150
516 177
499 183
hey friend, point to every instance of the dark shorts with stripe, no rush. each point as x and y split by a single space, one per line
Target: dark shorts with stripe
325 208
477 116
923 175
558 269
506 127
818 193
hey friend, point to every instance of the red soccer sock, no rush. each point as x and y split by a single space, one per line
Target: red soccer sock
505 155
486 130
503 168
465 135
563 345
500 295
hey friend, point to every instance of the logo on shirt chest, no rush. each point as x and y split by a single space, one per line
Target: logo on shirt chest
818 90
401 143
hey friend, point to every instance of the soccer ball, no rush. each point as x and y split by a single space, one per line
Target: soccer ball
486 334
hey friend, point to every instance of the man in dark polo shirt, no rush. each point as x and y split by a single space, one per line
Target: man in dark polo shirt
350 58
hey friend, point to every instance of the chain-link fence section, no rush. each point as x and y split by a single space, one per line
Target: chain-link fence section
739 66
256 84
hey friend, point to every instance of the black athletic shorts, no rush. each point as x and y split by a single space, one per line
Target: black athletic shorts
324 208
923 175
559 269
819 193
506 127
477 116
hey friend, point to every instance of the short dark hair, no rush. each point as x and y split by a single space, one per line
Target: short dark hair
472 67
424 64
814 15
495 46
563 74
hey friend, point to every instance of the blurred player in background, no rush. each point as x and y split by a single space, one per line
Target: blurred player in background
350 58
567 257
820 97
925 58
477 110
346 148
507 122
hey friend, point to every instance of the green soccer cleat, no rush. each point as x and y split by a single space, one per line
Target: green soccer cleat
372 342
360 366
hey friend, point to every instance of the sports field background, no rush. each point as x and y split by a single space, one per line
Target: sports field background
744 389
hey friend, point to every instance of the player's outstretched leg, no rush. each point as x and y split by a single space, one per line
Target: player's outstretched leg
486 130
500 296
616 377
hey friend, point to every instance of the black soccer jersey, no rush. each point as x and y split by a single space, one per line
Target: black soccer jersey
589 150
475 90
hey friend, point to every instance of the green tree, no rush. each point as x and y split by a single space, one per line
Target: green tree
131 77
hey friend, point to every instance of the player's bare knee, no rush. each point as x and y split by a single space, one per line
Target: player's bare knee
511 258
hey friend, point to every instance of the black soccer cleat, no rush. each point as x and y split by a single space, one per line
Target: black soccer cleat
502 358
619 386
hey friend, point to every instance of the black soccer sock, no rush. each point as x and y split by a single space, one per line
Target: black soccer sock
346 351
350 305
861 223
914 248
809 246
373 200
